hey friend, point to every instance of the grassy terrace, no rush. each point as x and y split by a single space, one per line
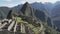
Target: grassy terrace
35 29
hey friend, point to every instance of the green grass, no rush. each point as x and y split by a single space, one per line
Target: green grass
18 19
35 29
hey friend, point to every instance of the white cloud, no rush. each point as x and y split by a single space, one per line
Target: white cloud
43 1
9 5
53 1
30 1
7 0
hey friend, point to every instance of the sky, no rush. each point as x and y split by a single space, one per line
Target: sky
12 3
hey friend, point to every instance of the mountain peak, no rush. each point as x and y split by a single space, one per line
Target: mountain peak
26 3
26 9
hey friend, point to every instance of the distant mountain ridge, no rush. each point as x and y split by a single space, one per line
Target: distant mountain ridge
4 11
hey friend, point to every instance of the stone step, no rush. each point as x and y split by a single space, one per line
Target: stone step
11 25
15 27
3 25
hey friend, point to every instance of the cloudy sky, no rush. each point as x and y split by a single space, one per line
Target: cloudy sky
11 3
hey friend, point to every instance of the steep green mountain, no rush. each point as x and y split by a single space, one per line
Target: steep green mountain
27 10
36 10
